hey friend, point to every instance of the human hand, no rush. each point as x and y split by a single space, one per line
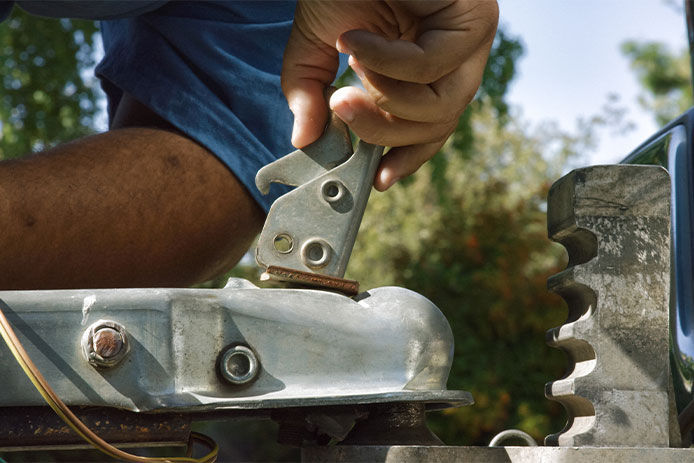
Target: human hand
420 62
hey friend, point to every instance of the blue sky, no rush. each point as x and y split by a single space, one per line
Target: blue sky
572 60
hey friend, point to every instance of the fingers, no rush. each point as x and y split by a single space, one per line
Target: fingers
417 80
310 115
403 161
398 59
450 36
308 68
440 102
414 142
376 126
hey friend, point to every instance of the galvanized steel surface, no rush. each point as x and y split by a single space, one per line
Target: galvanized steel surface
313 228
312 347
442 454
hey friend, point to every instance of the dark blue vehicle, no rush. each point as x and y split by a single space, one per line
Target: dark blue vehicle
672 148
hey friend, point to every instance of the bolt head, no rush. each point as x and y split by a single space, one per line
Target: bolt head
105 344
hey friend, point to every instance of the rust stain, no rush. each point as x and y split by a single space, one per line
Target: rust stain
107 342
347 287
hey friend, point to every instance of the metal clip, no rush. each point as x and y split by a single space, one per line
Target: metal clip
313 228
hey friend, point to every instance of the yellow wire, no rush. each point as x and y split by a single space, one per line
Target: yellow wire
51 398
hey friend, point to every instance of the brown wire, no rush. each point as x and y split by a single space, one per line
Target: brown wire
74 422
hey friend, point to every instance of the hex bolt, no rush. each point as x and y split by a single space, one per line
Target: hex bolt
239 365
105 344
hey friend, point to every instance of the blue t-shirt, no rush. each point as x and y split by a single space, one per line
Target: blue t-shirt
84 9
212 69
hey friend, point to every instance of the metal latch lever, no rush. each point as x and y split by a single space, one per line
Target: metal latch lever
309 232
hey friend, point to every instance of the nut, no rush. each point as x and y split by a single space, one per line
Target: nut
107 342
239 365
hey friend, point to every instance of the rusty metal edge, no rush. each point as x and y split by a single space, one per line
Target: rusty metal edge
342 285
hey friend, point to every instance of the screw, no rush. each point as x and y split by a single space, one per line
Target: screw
105 344
239 365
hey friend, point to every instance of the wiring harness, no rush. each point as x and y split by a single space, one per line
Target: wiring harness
52 399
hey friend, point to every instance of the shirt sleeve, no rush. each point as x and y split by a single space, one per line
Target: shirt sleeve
86 9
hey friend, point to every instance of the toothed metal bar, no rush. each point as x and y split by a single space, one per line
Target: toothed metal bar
614 222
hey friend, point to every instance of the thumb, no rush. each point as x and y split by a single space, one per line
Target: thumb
308 68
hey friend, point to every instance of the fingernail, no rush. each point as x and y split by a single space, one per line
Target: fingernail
296 133
345 112
295 128
387 179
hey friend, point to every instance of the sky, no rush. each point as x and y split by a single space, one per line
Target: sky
572 61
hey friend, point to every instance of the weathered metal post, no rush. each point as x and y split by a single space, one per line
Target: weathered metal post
614 222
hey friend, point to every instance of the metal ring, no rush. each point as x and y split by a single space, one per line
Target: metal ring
283 243
332 191
239 365
510 434
316 253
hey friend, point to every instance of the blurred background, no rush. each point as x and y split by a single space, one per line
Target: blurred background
568 83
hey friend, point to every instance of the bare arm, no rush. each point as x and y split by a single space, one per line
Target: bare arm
137 206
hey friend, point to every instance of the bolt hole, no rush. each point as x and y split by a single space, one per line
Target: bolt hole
332 191
238 365
315 252
283 243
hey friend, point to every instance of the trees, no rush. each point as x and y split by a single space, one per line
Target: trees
467 231
47 94
665 76
481 254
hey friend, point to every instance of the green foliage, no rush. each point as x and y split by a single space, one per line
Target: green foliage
483 257
468 231
500 69
45 99
665 76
